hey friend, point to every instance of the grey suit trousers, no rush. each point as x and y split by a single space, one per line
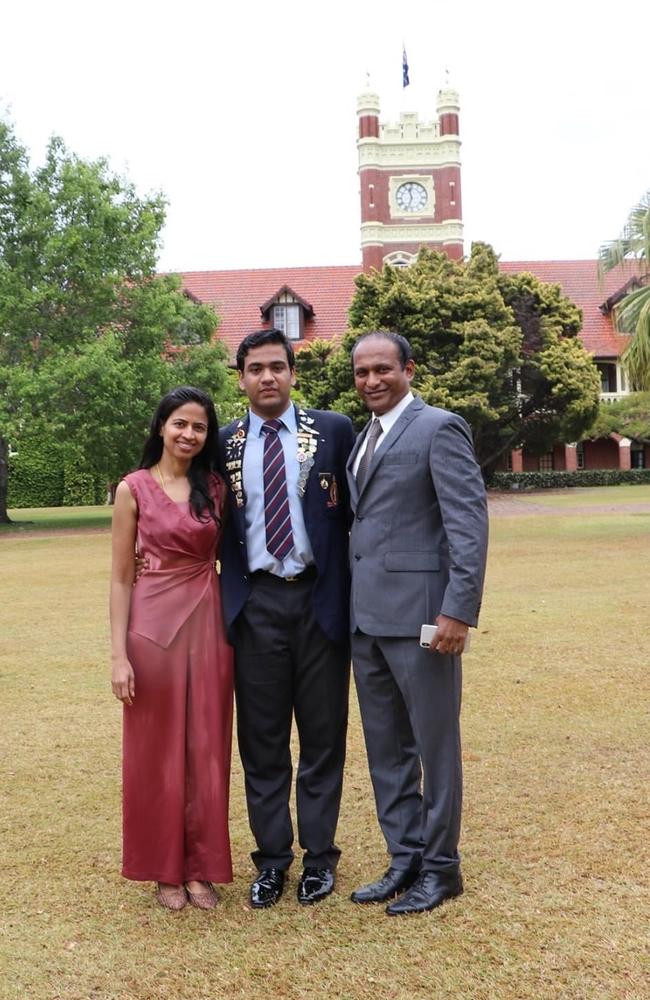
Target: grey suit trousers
410 706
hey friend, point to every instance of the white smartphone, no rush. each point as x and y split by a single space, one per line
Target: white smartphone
427 633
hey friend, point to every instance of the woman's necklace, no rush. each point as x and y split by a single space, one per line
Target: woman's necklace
161 477
163 483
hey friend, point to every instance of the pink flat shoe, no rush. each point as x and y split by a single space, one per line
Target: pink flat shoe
206 900
171 897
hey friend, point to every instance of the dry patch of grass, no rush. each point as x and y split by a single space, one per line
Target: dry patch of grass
555 841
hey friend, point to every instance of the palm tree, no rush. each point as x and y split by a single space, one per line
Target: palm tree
632 313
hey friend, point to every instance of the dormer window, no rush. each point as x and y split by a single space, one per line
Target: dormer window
287 318
286 311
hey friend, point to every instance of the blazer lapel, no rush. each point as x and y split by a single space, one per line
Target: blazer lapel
352 479
393 436
234 471
308 439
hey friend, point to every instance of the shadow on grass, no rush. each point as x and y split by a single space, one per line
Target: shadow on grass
56 519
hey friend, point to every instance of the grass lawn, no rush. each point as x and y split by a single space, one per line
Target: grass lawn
590 496
556 850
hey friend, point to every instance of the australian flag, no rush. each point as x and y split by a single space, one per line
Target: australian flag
405 68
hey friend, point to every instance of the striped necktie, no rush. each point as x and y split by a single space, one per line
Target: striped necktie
277 518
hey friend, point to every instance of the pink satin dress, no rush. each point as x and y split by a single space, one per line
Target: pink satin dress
178 732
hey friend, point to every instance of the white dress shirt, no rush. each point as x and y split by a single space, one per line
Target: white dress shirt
259 557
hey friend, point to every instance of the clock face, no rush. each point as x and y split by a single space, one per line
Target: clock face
411 197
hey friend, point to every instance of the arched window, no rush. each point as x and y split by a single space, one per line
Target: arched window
399 258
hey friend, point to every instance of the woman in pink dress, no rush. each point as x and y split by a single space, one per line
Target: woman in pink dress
171 664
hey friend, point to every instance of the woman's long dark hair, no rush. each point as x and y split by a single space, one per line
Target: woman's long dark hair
207 460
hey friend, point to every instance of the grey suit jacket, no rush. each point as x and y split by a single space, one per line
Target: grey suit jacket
419 536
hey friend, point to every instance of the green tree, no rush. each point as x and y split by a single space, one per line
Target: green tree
90 337
629 417
500 349
632 314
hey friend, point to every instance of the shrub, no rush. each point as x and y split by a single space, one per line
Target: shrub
558 480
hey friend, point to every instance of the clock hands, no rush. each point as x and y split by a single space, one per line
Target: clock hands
411 197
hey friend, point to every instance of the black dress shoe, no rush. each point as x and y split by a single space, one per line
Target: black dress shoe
315 884
392 882
429 890
267 887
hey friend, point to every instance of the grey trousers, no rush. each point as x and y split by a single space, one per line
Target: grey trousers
410 707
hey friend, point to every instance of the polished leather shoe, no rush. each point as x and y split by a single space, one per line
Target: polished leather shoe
392 882
315 884
429 890
267 887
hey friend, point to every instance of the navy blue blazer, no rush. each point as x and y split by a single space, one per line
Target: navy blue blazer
325 440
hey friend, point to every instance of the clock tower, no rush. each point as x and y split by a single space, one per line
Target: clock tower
409 175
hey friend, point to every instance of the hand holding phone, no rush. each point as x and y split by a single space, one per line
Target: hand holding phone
427 633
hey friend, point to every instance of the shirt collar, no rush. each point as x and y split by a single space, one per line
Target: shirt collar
288 418
389 418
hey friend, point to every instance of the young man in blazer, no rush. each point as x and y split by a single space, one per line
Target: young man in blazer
417 554
286 603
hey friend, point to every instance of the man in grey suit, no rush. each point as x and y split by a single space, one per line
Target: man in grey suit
417 553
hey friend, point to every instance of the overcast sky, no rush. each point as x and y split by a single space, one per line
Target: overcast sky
244 114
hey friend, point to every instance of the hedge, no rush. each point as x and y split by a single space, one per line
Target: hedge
35 480
78 487
558 480
39 477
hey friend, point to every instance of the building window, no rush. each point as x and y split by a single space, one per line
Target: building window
400 258
580 455
288 312
607 376
637 455
509 462
546 462
287 319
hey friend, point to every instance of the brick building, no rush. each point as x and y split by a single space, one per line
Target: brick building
410 191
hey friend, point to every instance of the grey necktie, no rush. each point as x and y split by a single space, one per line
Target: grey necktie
371 443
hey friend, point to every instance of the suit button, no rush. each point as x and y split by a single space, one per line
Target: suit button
359 517
357 558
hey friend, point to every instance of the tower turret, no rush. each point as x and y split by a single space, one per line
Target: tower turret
368 113
409 174
448 108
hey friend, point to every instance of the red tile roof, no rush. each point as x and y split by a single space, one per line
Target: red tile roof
580 282
285 290
238 295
